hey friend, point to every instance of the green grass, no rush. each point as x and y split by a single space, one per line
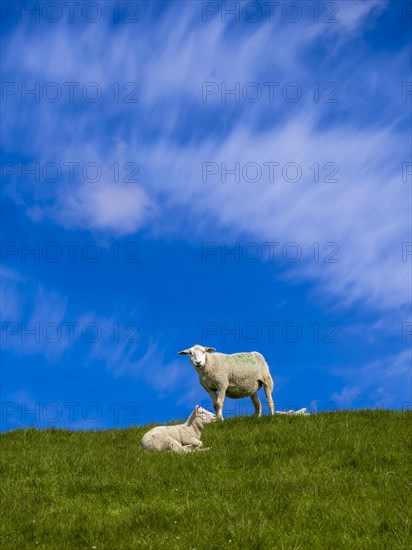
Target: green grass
328 481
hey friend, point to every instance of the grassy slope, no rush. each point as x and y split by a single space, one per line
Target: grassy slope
334 480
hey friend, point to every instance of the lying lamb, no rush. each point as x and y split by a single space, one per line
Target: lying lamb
238 375
182 438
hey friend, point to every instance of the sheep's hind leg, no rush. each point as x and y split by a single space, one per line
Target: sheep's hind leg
257 404
268 386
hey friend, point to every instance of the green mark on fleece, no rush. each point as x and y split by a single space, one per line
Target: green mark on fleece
244 357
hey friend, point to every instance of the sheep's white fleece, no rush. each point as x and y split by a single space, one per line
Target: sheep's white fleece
291 411
242 373
237 375
181 438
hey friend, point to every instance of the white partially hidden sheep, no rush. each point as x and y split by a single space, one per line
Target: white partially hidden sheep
181 438
291 411
237 375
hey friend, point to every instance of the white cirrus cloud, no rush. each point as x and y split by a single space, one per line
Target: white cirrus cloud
366 213
382 383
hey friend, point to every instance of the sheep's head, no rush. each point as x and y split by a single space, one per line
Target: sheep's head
197 355
205 415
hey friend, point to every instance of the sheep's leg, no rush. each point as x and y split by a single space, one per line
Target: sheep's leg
198 445
219 403
194 443
212 396
188 448
176 447
214 401
257 404
268 386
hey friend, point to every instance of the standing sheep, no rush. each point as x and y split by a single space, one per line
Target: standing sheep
182 438
238 375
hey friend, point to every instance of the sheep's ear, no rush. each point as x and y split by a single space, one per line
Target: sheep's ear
197 410
210 349
184 352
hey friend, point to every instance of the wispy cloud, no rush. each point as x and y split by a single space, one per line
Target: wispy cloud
356 213
152 365
99 207
380 383
32 317
38 322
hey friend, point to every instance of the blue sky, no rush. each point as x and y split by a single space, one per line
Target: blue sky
189 175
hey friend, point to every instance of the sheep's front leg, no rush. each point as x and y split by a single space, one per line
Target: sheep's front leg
176 447
197 446
193 442
212 394
219 403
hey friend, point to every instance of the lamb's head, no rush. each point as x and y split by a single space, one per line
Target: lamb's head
197 355
205 416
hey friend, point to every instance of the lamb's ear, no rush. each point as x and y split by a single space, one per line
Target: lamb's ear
210 349
184 352
197 410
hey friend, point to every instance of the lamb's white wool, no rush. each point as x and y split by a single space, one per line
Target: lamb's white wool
182 438
237 375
